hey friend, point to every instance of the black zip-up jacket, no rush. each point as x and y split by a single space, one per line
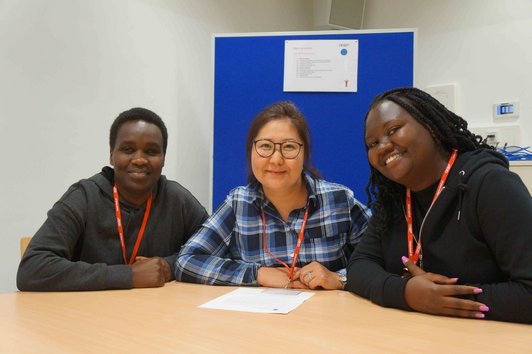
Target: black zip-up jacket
77 247
479 230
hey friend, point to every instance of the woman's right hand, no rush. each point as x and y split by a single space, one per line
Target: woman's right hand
277 277
437 294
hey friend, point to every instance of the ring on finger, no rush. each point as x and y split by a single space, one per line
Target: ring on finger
309 274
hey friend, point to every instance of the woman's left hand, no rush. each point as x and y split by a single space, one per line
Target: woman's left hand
315 275
439 295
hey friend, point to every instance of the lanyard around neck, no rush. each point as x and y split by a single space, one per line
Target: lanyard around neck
121 230
414 256
298 245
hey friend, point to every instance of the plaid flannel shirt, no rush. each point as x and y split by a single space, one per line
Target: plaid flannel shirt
227 249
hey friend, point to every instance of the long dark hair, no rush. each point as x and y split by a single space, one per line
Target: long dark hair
281 110
448 130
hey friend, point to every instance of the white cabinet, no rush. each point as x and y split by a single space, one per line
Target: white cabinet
524 170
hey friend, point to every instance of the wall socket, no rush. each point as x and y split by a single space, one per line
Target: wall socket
446 94
499 135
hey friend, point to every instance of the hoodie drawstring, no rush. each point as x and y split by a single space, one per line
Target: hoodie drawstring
462 188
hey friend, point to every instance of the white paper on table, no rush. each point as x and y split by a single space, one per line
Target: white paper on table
320 65
262 300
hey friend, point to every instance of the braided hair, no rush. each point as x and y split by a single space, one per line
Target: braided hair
448 130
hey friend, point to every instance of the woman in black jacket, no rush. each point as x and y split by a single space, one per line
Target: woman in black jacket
451 232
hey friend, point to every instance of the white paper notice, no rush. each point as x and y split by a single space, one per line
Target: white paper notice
263 300
321 65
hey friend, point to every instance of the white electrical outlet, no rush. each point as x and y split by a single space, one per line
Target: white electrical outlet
499 135
492 138
446 94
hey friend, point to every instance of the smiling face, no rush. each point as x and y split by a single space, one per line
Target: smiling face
138 159
276 173
402 149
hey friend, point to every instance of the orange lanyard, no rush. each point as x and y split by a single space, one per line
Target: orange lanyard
298 246
414 257
121 230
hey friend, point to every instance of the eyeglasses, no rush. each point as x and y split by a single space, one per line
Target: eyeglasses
266 148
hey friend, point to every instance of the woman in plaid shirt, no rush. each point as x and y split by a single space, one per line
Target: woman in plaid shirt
287 227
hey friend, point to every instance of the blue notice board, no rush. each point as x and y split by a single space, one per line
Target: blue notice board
248 76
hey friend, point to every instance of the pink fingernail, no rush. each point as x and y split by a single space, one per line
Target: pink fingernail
454 279
404 259
479 315
477 291
484 308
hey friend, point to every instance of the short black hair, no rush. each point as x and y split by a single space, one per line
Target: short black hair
448 129
137 114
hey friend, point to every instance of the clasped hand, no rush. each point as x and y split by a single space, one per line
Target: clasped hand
312 276
438 294
150 272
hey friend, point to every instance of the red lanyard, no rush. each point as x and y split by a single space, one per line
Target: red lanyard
121 230
410 234
298 246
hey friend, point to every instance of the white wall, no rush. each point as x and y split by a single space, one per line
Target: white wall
483 46
69 67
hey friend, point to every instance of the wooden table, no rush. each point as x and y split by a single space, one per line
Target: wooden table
167 320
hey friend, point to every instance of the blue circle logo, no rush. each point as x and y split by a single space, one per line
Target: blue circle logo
343 51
